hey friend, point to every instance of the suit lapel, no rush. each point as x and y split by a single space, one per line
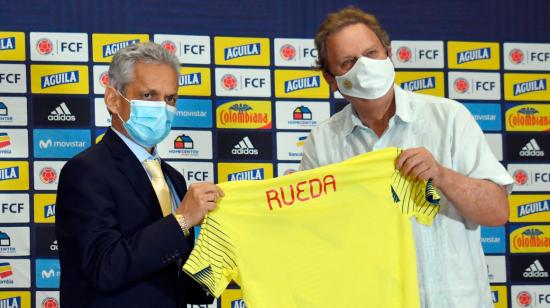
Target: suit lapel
177 179
129 165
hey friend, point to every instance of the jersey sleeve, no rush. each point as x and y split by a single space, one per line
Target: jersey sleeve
415 198
212 261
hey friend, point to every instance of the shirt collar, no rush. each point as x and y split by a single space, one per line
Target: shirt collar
403 111
140 152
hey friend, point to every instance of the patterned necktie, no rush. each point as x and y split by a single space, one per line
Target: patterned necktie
159 185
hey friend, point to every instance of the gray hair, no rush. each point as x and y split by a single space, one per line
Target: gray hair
121 69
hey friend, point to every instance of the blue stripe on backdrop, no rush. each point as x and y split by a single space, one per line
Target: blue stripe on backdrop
508 20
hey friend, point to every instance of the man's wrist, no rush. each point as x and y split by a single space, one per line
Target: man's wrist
183 224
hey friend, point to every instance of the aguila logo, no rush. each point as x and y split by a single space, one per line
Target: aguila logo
44 46
288 52
404 54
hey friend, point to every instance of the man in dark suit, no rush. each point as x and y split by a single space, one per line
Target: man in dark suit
121 227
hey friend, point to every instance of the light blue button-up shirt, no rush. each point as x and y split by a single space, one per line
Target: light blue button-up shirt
142 155
451 267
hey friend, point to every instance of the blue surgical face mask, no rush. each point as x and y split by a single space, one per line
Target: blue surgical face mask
150 121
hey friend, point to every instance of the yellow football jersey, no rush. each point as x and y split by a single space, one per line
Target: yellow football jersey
336 236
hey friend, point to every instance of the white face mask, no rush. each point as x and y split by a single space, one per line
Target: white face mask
368 78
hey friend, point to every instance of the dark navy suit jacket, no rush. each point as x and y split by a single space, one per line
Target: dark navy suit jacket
115 248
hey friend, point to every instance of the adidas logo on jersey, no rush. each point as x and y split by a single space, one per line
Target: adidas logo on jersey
535 270
244 147
531 149
61 113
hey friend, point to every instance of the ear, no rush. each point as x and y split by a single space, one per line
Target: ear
389 51
112 100
331 81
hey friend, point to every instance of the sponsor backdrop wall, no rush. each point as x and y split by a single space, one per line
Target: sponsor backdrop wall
247 101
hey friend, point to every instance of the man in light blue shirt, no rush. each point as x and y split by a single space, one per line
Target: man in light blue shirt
442 142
